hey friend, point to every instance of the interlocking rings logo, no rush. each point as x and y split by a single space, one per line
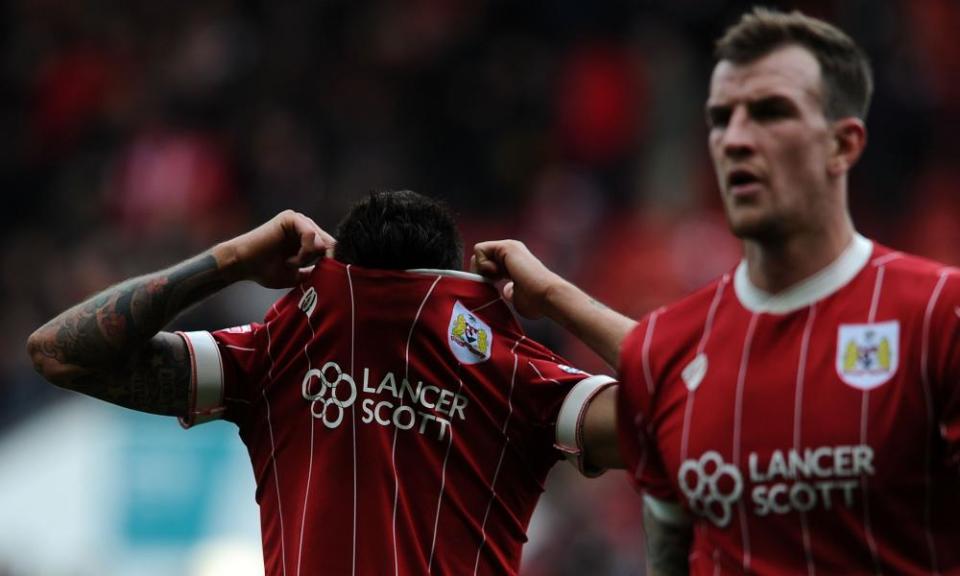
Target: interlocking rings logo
711 486
321 406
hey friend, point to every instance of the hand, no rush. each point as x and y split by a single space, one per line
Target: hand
529 281
536 291
277 254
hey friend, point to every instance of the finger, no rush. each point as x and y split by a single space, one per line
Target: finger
322 240
508 292
304 274
481 261
308 253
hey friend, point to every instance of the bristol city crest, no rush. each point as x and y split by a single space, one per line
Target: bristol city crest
469 337
867 354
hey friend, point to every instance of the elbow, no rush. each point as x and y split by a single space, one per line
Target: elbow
43 356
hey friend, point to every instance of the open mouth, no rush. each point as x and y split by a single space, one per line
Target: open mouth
739 178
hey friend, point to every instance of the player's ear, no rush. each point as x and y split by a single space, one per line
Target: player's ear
849 140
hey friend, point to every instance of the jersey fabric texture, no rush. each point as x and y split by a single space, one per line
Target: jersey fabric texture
815 431
397 422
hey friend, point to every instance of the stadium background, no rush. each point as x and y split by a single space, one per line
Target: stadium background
135 133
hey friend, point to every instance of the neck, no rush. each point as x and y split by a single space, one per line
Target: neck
774 266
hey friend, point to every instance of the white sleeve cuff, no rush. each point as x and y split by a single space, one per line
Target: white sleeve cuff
206 379
569 439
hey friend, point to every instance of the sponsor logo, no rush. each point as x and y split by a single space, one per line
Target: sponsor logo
240 329
788 481
694 372
387 401
469 337
711 486
867 354
308 302
326 405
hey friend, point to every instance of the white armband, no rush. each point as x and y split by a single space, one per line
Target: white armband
206 379
569 438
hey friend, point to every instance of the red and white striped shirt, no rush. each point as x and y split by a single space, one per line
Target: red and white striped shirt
397 422
816 431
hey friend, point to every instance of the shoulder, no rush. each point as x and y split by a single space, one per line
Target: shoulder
685 318
914 279
907 265
671 331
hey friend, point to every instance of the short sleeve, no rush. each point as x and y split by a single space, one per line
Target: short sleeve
225 367
943 340
635 406
554 396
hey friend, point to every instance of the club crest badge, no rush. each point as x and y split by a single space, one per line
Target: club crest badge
469 337
867 354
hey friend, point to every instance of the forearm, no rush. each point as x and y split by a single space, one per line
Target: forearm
598 326
668 545
105 334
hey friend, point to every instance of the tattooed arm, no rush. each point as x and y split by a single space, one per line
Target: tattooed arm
668 534
537 291
110 346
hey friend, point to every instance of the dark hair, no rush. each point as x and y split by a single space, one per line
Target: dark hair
399 230
847 79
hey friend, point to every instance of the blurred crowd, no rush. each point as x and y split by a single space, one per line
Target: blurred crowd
137 132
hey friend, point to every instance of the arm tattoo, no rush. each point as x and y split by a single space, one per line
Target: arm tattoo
668 546
599 304
155 378
108 346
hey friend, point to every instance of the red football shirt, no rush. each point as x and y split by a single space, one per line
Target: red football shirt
397 422
813 431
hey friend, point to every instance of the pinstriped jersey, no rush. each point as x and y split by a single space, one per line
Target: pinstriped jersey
397 422
812 432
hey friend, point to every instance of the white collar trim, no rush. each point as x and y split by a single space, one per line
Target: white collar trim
822 284
450 273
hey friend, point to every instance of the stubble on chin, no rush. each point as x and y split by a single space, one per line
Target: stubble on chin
758 228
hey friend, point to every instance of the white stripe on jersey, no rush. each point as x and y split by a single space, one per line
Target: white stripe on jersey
927 395
406 375
503 450
645 358
707 328
241 348
270 343
797 430
353 417
443 483
708 325
737 420
646 350
864 416
886 258
306 490
273 444
482 306
540 374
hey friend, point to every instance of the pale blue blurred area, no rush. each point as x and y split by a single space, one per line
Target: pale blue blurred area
88 489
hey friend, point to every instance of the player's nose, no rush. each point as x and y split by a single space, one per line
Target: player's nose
738 138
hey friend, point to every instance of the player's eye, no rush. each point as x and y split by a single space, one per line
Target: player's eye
772 109
718 116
